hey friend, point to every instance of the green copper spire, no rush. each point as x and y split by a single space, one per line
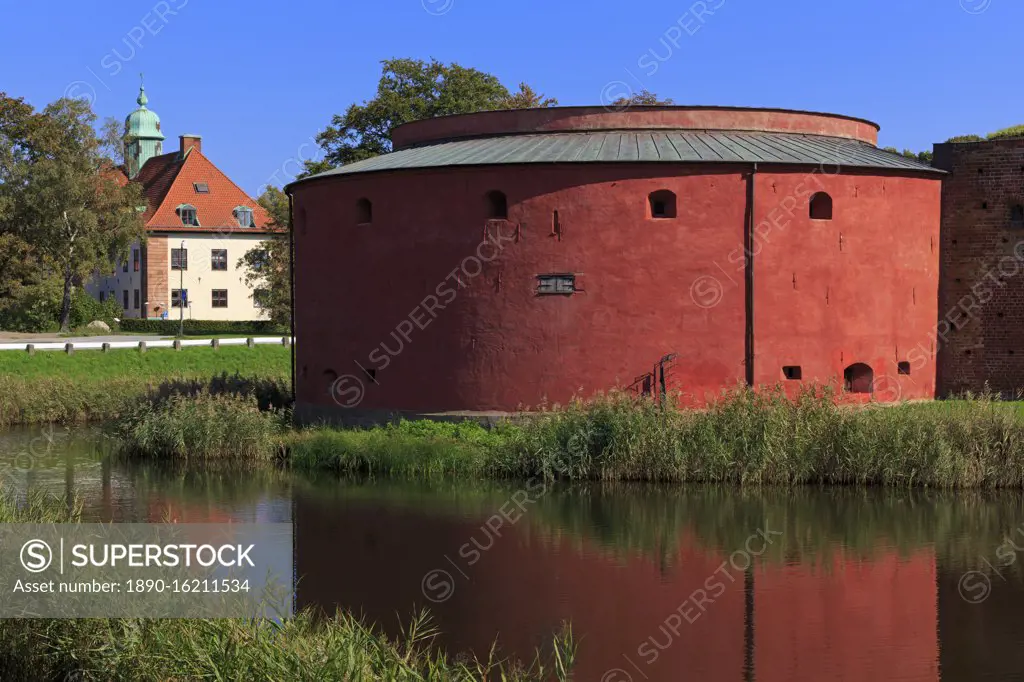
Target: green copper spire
142 137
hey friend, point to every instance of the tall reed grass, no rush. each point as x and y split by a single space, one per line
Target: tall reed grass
745 437
201 427
305 647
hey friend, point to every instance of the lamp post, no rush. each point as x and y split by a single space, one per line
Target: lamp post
181 290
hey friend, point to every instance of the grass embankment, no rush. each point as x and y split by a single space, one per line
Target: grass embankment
743 438
51 386
306 647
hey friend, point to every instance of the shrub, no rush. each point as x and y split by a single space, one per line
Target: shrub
966 138
1006 133
169 327
204 426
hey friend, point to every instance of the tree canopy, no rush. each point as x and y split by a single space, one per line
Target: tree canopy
410 90
62 207
644 97
267 266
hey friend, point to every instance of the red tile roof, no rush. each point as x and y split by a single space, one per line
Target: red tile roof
167 182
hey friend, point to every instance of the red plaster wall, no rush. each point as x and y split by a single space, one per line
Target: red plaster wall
497 345
862 287
650 287
641 117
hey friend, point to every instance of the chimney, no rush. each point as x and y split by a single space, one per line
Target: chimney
188 141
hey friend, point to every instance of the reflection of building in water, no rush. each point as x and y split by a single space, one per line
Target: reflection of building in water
873 619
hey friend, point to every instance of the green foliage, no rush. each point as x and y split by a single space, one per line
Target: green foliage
644 97
746 437
51 386
1007 133
421 449
199 427
920 157
36 308
305 647
411 90
169 327
59 195
966 138
267 266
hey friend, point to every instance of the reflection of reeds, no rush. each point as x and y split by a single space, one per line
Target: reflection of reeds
305 647
655 521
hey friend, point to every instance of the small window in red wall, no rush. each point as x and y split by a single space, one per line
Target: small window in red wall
662 204
859 378
821 206
364 212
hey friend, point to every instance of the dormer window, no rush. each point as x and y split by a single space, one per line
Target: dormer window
243 214
201 187
188 216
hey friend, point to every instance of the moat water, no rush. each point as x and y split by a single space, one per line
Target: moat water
693 583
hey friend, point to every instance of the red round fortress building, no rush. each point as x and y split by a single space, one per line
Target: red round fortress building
502 260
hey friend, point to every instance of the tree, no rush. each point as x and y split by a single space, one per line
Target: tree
410 90
268 266
60 197
644 97
920 157
112 139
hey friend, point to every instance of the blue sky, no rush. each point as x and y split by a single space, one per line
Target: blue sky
258 79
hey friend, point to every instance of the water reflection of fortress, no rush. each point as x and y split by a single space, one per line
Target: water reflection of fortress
892 616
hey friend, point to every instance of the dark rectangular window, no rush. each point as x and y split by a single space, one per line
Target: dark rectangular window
124 265
135 299
103 296
219 259
136 260
179 296
220 298
904 367
125 306
793 373
201 187
179 259
556 284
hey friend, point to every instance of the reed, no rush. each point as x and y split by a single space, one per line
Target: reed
306 647
745 437
200 427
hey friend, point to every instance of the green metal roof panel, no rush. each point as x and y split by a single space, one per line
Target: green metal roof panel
681 146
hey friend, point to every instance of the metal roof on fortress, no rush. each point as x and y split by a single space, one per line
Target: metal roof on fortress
644 146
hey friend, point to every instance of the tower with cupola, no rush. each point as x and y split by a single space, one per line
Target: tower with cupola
142 137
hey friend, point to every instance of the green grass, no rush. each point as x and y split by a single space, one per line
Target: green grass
744 438
52 386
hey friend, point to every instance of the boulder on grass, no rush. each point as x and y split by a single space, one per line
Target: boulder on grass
98 325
